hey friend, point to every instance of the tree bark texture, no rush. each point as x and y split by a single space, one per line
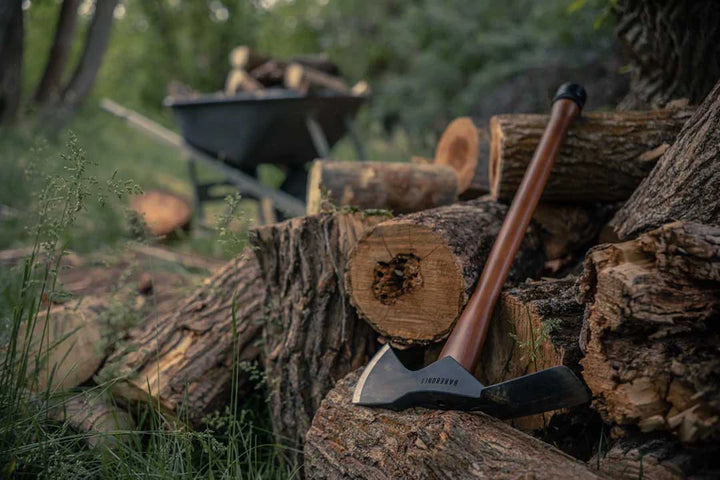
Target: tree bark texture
536 326
603 159
411 276
59 52
673 50
650 338
685 183
183 361
313 336
399 187
349 441
11 59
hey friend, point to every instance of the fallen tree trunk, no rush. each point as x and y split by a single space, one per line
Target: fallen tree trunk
183 361
348 441
313 336
603 159
399 187
650 341
536 326
459 147
411 276
685 183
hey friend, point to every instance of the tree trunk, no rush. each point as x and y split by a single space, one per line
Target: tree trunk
673 48
59 52
399 187
685 183
313 336
348 441
96 43
459 147
411 276
650 340
603 159
536 326
184 360
11 59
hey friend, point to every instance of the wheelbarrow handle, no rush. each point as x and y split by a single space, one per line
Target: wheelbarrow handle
467 338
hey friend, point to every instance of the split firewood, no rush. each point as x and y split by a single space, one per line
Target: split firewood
656 457
603 159
270 73
303 78
312 336
240 81
411 276
163 212
685 183
184 360
348 441
103 423
536 326
460 147
650 342
361 89
246 58
399 187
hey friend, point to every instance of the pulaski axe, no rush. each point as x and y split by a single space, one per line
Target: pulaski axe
448 383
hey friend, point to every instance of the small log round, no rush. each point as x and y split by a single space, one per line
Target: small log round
163 212
458 148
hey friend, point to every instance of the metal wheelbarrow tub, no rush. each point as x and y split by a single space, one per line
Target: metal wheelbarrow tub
249 129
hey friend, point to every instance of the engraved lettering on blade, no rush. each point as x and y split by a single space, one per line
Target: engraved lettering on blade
439 381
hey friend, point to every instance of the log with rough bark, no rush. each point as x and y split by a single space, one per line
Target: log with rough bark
184 360
650 339
604 158
348 441
399 187
102 422
303 78
313 336
459 147
411 276
656 457
535 326
240 81
685 183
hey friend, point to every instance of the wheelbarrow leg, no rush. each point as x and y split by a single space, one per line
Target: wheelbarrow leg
318 137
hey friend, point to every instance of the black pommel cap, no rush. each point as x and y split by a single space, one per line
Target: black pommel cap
572 91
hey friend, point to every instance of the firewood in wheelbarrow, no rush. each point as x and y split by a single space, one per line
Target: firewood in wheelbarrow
400 187
238 80
246 58
163 212
303 79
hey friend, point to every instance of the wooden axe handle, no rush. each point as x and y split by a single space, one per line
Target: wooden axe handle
467 338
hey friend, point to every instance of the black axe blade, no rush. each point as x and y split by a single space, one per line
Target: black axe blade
446 385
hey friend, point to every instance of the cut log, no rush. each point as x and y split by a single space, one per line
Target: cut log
270 73
568 229
411 276
184 360
163 212
303 78
603 159
240 81
348 441
459 147
685 183
536 325
650 340
399 187
313 336
246 58
657 457
88 412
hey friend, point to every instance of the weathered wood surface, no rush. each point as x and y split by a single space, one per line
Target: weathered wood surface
603 159
348 441
459 148
411 276
650 340
183 360
313 336
536 326
685 183
399 187
89 413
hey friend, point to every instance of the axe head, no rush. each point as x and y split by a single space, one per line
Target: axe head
446 385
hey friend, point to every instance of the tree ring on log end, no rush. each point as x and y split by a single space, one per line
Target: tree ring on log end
459 147
419 276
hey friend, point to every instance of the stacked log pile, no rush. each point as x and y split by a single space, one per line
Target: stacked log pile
636 319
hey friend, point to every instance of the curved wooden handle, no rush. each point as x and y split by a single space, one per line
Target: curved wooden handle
467 338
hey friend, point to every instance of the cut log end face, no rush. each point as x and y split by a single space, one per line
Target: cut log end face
459 148
163 212
405 275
